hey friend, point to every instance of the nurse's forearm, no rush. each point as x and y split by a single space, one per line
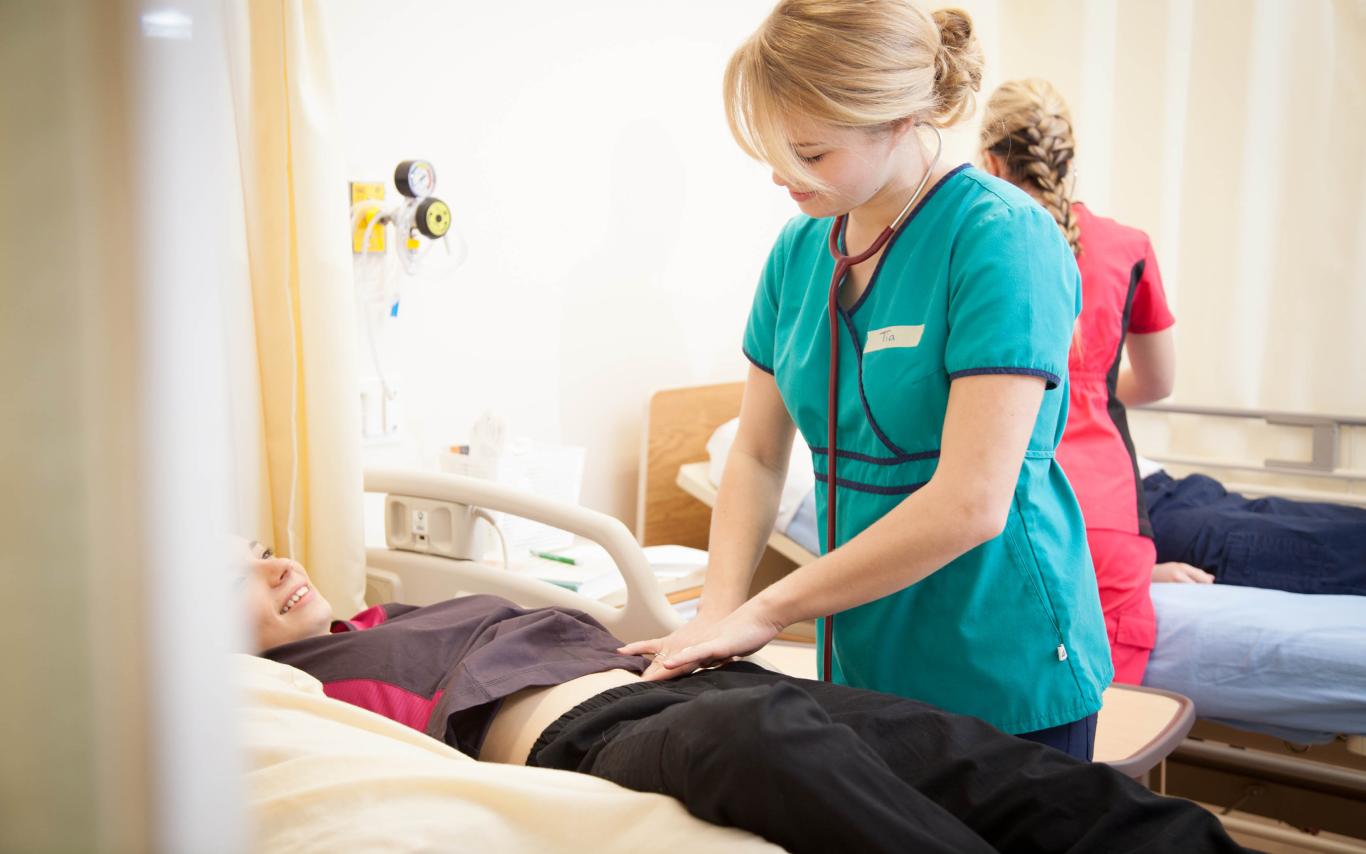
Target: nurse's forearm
1133 390
746 506
1151 371
919 536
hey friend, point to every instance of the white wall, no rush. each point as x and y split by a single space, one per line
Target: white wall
615 231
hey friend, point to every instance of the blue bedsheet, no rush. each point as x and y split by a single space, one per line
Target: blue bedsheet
1286 664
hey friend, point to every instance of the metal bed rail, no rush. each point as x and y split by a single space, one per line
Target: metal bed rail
1325 462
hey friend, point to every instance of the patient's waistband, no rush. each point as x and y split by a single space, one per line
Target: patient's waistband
593 703
576 733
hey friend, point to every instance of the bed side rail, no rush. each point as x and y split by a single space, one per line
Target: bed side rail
646 614
1330 445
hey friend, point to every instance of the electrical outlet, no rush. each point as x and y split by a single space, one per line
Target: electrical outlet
379 413
420 527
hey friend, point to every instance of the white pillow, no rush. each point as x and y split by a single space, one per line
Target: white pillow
801 479
1147 466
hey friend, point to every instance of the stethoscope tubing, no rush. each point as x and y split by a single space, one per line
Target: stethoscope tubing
843 263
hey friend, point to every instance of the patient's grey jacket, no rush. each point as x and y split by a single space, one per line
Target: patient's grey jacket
444 669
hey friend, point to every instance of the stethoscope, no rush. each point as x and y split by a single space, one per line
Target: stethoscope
843 263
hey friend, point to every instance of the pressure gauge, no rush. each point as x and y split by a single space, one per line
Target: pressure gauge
415 179
433 218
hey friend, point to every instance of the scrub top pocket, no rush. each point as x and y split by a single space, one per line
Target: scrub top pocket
906 392
1033 598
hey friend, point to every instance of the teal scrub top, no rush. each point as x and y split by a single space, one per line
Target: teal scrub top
978 281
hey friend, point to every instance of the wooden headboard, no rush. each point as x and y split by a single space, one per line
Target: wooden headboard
678 424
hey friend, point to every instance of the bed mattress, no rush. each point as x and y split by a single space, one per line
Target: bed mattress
1288 664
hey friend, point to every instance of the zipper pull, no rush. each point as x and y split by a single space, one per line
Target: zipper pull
1062 653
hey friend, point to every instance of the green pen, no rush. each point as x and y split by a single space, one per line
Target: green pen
555 557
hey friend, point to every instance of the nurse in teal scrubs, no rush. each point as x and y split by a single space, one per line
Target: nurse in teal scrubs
961 575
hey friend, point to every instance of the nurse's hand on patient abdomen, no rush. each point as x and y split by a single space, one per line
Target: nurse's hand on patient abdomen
1180 573
699 629
704 642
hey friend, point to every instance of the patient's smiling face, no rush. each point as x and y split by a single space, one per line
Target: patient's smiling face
282 603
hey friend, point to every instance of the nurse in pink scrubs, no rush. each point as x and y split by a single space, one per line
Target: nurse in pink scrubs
1027 139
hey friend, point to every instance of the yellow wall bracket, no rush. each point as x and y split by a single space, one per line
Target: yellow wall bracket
366 191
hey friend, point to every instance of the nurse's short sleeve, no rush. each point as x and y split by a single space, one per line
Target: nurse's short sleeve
1014 296
761 330
1149 312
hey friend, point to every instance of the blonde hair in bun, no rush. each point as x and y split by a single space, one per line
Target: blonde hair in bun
864 64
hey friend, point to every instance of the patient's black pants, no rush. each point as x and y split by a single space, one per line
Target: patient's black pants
818 767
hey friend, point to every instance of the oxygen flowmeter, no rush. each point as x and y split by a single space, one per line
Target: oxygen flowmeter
430 217
433 218
419 214
415 179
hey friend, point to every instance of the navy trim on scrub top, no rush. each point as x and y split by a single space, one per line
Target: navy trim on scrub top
878 461
760 365
887 250
863 398
858 486
846 314
1053 379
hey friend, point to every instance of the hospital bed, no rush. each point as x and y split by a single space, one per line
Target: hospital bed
1225 762
1278 679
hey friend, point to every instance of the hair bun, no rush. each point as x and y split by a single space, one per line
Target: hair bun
957 66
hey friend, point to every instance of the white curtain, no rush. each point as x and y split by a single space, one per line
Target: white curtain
1230 131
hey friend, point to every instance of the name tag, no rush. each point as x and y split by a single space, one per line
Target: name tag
893 336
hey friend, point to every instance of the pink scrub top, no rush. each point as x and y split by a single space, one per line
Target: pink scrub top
1121 293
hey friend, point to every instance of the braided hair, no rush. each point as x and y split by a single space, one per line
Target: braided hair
1028 126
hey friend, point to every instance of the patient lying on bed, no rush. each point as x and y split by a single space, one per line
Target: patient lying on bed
1205 533
810 766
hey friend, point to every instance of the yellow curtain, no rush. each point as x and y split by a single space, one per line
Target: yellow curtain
306 475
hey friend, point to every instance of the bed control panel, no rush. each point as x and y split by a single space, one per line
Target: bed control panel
434 527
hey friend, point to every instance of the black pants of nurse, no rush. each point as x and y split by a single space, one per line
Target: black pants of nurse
819 767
